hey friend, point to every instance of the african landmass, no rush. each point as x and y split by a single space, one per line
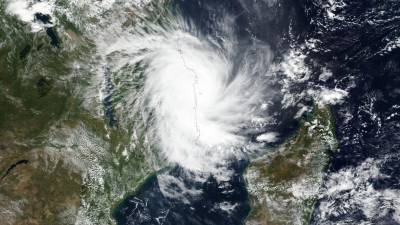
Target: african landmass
199 112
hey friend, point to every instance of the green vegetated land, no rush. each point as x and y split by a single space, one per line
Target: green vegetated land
59 160
285 182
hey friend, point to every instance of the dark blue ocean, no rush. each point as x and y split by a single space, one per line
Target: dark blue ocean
354 47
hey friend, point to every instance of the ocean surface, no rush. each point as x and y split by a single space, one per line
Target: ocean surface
358 41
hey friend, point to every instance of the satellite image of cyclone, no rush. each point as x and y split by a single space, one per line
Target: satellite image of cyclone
199 112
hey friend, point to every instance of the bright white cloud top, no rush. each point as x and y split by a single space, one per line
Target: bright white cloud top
25 10
201 93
